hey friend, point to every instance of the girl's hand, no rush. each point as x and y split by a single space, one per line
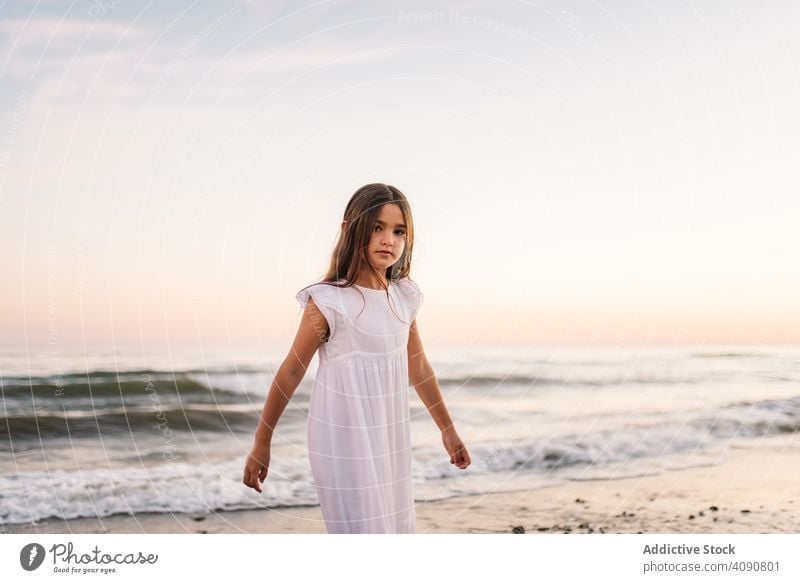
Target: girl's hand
256 467
455 447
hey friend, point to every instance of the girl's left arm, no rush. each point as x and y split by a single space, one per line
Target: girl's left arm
421 375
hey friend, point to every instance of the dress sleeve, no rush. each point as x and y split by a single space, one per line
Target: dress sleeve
413 296
325 299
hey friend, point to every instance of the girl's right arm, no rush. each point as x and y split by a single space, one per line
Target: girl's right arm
291 372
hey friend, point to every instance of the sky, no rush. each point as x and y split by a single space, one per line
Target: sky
592 172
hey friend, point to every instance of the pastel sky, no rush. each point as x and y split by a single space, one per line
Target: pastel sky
579 172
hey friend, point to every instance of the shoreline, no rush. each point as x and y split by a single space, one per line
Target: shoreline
750 491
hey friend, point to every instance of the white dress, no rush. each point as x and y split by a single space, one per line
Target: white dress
359 441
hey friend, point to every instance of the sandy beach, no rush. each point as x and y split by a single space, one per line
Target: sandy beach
753 490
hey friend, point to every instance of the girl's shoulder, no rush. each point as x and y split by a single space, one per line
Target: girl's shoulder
325 294
408 286
411 295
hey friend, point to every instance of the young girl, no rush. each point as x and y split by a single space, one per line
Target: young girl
362 317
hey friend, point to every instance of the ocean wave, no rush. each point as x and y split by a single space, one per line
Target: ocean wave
103 385
173 487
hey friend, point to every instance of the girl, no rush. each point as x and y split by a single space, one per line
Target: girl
362 317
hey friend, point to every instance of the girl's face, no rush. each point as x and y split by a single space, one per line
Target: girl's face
388 239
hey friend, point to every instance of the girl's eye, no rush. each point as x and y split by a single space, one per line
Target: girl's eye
397 232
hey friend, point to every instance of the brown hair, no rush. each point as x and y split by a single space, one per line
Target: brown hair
349 257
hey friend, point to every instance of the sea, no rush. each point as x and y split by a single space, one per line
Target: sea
93 433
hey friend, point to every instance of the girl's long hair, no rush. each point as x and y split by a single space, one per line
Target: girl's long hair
349 256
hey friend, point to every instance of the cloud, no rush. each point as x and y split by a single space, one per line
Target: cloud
54 34
107 62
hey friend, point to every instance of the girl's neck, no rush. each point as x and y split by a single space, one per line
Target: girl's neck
372 281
